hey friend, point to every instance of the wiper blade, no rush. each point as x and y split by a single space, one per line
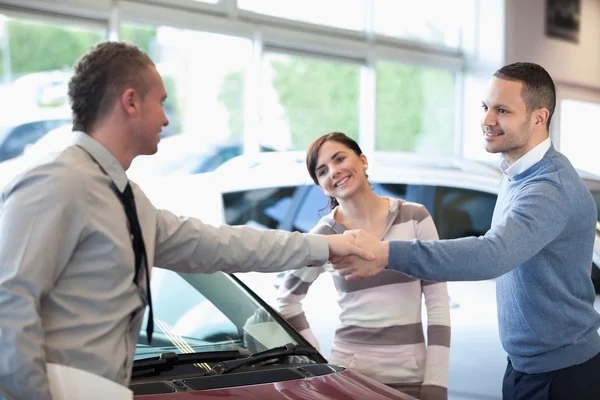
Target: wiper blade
277 352
167 361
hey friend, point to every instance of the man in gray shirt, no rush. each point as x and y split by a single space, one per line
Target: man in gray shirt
71 288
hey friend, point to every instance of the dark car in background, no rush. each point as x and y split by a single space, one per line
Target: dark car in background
274 191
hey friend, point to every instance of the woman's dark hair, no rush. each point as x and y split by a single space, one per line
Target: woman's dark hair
312 156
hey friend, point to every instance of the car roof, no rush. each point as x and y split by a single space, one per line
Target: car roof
280 169
174 193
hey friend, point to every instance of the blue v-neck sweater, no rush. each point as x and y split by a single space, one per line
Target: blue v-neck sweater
540 250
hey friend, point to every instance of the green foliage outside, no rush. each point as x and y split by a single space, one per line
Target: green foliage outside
38 47
318 97
144 36
414 105
415 109
231 95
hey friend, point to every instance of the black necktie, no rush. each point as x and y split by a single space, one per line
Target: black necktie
139 250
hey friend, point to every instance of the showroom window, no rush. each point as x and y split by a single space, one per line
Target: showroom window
578 141
431 21
415 108
36 60
204 75
303 98
346 14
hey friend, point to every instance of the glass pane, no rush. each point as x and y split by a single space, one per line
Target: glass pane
461 212
415 109
578 140
303 98
313 207
347 14
431 21
204 75
35 68
261 208
204 313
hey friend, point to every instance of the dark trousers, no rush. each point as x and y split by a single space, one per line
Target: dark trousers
577 382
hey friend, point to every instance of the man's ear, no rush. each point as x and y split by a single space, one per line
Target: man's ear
541 117
130 101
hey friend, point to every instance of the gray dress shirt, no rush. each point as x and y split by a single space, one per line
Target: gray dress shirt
67 294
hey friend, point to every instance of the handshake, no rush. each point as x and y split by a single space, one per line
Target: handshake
357 254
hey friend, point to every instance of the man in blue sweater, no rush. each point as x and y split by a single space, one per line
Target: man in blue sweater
539 247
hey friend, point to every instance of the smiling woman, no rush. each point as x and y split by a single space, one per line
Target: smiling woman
380 332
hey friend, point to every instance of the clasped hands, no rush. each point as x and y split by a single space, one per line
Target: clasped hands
357 254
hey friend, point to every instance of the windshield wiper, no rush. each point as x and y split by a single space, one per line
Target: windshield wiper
166 361
289 349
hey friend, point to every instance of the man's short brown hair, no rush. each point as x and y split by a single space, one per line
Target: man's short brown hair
100 76
538 88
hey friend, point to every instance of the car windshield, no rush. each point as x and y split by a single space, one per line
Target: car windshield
206 313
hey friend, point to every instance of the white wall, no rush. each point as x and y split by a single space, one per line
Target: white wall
569 63
575 68
508 31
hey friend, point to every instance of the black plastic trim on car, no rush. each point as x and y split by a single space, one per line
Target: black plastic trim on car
261 376
270 375
242 379
142 389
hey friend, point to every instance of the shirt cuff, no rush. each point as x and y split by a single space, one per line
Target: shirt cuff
319 249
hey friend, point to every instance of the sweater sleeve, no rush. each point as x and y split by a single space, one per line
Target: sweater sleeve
289 299
293 290
435 382
535 218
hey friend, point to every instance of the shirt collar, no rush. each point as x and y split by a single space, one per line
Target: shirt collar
527 160
103 157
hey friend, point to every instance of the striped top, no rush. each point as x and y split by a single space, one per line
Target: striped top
381 332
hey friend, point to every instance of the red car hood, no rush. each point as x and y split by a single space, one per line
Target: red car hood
340 385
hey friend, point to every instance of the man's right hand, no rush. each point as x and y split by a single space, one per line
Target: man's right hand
344 245
352 267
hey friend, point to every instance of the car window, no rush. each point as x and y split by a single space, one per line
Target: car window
596 195
28 133
207 312
222 155
395 190
313 206
265 208
461 212
24 134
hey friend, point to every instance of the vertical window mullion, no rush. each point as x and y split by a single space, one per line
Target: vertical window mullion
252 111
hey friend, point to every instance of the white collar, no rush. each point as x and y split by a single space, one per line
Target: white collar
527 160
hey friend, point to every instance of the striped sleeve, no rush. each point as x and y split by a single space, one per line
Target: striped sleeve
435 382
294 288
